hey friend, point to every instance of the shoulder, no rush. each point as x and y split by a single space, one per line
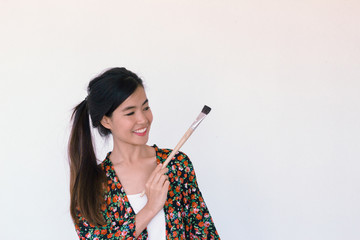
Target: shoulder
181 170
105 165
180 159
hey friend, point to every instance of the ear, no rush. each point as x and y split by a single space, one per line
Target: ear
105 121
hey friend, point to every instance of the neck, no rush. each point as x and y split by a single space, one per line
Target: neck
125 153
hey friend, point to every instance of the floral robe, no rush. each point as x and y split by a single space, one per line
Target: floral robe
186 213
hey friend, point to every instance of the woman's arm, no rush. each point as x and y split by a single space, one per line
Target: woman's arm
156 189
199 223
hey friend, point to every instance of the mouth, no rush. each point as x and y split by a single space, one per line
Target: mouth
140 132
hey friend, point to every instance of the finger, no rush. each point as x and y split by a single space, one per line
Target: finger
158 176
151 178
162 180
164 170
166 186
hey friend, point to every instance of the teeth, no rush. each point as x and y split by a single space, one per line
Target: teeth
140 130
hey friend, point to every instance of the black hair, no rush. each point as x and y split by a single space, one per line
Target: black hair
87 181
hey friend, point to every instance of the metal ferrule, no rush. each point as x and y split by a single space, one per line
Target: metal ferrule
198 121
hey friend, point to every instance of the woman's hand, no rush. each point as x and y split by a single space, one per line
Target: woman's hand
156 189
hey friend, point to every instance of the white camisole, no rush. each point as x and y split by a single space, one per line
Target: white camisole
156 227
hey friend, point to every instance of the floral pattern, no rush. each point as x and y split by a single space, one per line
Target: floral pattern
187 216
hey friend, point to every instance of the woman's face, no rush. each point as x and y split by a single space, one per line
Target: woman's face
130 122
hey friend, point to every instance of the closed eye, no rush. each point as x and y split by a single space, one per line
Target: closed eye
129 114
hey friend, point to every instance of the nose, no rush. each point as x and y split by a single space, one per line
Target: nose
141 118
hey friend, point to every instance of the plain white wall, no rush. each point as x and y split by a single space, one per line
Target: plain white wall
276 159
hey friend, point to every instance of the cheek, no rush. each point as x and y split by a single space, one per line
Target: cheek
150 116
122 125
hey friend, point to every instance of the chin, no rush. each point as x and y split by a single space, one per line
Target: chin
141 142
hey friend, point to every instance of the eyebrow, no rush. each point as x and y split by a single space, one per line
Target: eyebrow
132 107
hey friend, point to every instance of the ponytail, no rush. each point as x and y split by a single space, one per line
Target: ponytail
86 178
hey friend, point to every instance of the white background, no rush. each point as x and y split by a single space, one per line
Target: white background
276 159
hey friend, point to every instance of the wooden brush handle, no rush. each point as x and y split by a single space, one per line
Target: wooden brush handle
178 146
176 149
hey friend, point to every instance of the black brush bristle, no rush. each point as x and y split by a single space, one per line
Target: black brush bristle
206 110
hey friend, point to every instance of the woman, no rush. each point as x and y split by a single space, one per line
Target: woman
105 199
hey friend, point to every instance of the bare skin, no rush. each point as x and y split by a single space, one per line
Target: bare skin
134 173
137 174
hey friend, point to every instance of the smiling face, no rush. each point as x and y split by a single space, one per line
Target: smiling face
130 122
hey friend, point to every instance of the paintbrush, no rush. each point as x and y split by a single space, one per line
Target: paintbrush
188 133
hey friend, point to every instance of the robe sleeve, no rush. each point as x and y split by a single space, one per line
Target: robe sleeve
199 223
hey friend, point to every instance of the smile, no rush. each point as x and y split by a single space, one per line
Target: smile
140 130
